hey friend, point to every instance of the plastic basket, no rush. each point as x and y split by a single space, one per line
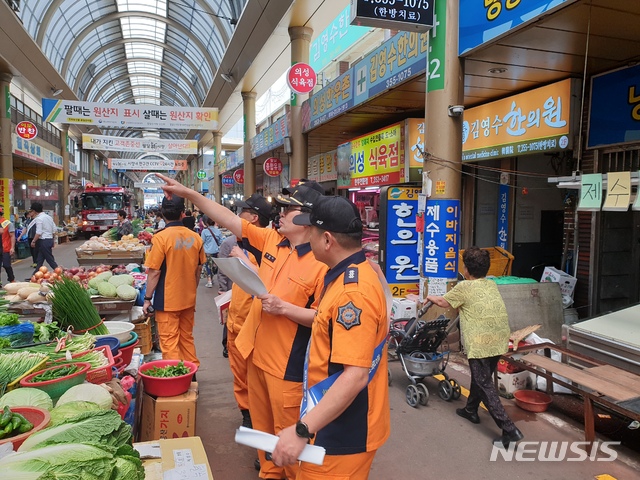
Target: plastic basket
501 262
55 388
38 367
144 336
101 374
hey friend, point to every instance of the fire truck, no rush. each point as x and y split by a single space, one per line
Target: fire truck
98 208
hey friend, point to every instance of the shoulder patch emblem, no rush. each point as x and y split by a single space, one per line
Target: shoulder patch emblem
270 257
349 315
351 275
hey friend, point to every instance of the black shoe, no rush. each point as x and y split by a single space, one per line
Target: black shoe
471 416
246 419
256 464
225 353
508 437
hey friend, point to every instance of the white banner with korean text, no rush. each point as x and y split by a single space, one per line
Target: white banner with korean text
121 115
146 164
148 145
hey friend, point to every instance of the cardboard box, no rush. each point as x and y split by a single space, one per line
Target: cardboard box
510 382
169 417
403 308
566 281
183 457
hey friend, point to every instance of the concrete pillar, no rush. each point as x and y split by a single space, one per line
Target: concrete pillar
6 155
101 172
91 163
217 179
300 42
64 135
249 114
443 133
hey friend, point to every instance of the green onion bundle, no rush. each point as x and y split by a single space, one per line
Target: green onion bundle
73 345
72 307
15 365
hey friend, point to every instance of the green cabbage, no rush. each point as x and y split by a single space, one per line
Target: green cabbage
106 289
126 292
87 392
27 397
124 279
70 410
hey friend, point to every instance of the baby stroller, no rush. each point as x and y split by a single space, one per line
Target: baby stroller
423 351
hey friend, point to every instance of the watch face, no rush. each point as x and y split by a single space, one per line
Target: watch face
302 430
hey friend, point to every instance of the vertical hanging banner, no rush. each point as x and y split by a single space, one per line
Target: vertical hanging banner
399 254
441 233
437 47
6 193
503 217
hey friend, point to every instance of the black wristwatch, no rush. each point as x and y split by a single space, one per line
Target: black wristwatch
302 430
148 298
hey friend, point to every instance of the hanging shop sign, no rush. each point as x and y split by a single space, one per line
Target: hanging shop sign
537 121
301 78
269 138
334 40
400 58
238 176
614 116
6 194
372 160
441 234
313 173
146 164
413 148
35 152
328 166
272 166
73 169
26 130
126 115
227 181
146 145
483 21
201 175
41 194
399 251
331 101
502 238
410 15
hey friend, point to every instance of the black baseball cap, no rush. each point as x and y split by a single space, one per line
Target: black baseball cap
258 203
334 214
303 194
174 203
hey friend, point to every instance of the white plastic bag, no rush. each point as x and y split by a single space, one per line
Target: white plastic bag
541 382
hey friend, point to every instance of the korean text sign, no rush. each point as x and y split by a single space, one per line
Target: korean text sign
441 234
121 115
531 122
503 217
142 164
399 238
374 159
148 145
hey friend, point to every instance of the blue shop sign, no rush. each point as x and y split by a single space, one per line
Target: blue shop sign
331 101
615 108
483 20
441 233
503 217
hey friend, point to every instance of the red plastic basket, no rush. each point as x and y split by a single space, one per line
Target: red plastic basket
39 417
100 374
168 386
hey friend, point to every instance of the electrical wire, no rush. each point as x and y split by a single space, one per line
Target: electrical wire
232 21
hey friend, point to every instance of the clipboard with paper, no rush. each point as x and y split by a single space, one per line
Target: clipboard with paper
242 275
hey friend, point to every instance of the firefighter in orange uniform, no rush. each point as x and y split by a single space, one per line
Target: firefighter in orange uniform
345 408
275 334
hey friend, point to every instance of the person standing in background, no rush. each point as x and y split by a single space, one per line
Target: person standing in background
43 239
124 225
189 220
8 245
28 232
174 262
212 238
257 211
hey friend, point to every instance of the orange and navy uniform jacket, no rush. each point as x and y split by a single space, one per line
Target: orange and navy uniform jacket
294 275
241 300
178 251
351 322
6 235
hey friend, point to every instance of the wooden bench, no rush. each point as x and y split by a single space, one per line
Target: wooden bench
614 388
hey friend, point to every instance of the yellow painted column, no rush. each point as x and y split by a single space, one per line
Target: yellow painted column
6 155
64 135
300 43
249 115
217 179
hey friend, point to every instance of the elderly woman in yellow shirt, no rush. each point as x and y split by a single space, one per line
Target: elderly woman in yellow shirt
484 326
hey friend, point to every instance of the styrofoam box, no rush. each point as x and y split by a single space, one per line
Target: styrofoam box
566 281
403 308
510 382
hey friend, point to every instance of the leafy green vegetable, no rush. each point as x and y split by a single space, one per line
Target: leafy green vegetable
72 306
104 427
7 319
45 332
71 410
27 397
168 371
87 392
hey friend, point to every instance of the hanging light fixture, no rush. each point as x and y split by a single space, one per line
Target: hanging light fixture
46 193
37 193
24 186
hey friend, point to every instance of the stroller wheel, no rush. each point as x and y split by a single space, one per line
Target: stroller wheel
413 396
424 394
456 389
445 390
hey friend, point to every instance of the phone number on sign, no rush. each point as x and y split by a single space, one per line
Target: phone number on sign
398 77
